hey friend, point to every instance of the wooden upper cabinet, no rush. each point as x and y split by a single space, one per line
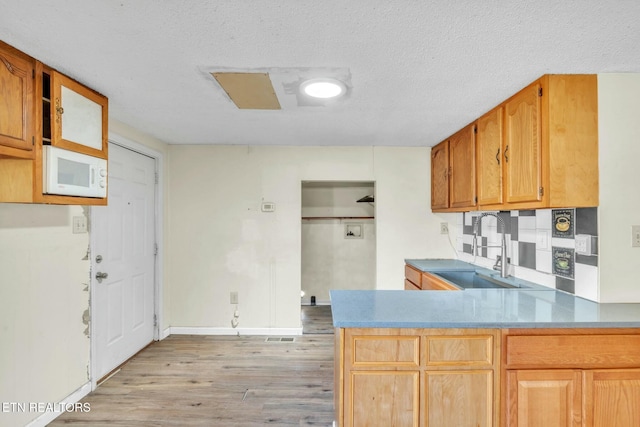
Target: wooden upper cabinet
78 116
522 152
462 180
551 144
489 157
453 172
16 102
440 176
538 149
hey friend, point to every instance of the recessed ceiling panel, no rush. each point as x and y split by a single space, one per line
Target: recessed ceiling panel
252 91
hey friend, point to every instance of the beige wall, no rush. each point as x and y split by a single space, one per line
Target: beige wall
619 134
220 241
44 276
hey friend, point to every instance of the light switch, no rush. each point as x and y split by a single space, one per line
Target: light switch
79 224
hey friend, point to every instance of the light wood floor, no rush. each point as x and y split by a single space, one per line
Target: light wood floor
225 381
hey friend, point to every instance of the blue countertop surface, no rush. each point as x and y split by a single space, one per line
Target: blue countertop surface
476 308
539 307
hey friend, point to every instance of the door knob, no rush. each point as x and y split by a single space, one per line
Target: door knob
100 276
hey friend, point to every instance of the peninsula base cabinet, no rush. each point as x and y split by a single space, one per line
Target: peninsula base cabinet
541 377
598 385
416 377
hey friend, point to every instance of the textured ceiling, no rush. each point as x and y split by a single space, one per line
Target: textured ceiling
417 70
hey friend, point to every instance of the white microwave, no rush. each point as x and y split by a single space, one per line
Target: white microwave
69 173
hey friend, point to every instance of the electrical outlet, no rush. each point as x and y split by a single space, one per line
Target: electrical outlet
635 236
444 228
234 297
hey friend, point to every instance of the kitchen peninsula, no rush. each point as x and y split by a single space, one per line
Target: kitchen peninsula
485 357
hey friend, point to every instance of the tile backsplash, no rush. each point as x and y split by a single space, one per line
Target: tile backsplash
547 246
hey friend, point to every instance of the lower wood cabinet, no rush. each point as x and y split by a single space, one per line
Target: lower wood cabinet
487 377
544 398
598 384
612 397
416 280
417 377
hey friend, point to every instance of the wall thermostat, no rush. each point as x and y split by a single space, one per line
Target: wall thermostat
268 207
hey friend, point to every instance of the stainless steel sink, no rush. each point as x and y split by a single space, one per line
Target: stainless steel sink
475 280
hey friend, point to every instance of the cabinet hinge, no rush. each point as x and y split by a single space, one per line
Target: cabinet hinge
541 191
540 92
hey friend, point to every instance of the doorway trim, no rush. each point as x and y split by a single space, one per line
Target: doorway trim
158 157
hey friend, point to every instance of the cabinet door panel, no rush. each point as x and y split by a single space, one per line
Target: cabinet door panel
16 101
459 398
384 399
544 398
489 157
78 117
385 350
612 398
440 176
462 180
522 153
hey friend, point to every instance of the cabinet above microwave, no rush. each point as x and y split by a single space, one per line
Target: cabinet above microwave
74 116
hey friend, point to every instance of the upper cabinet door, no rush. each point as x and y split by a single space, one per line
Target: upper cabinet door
440 176
462 160
16 100
522 152
489 157
78 117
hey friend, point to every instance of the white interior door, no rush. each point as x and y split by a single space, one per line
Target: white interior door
123 253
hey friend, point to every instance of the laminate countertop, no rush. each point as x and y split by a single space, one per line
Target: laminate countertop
539 307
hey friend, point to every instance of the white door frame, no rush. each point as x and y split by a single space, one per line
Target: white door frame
117 139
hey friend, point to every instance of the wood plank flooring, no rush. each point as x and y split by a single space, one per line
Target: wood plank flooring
221 381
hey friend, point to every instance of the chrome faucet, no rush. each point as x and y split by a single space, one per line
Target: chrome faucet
502 263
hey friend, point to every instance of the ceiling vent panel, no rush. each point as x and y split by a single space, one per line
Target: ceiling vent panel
249 91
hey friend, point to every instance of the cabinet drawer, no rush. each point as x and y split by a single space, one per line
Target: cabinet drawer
573 351
412 275
459 351
410 286
431 282
385 350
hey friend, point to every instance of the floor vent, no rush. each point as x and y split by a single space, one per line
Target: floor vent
280 339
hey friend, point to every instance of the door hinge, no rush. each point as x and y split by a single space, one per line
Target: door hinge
157 178
33 74
540 92
155 320
541 191
475 129
33 140
155 249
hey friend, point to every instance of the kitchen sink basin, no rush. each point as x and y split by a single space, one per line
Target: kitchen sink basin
475 280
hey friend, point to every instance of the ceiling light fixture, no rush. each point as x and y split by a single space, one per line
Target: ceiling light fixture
323 88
